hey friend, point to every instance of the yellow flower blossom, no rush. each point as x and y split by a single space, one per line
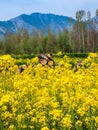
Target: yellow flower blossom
11 127
66 122
45 128
79 123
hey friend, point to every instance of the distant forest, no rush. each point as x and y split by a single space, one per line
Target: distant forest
82 37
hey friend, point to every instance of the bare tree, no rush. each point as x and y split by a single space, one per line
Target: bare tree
80 17
88 29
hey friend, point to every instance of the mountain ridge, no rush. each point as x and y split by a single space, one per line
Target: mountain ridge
37 21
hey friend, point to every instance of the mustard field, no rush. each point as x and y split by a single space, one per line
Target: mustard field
49 98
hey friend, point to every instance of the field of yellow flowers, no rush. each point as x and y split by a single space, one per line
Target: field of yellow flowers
46 98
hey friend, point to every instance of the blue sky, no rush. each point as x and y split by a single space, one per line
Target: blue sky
13 8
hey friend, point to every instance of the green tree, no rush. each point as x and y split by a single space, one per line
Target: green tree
51 42
63 41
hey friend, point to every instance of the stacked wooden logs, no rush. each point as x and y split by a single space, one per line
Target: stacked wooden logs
46 59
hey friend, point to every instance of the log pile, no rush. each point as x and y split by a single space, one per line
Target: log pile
46 59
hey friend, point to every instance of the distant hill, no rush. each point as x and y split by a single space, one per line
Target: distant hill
36 21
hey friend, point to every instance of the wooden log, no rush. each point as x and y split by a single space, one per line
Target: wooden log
78 64
22 68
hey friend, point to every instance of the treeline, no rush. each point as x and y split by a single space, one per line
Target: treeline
82 37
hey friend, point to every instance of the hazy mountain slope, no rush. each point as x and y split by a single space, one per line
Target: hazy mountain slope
37 21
